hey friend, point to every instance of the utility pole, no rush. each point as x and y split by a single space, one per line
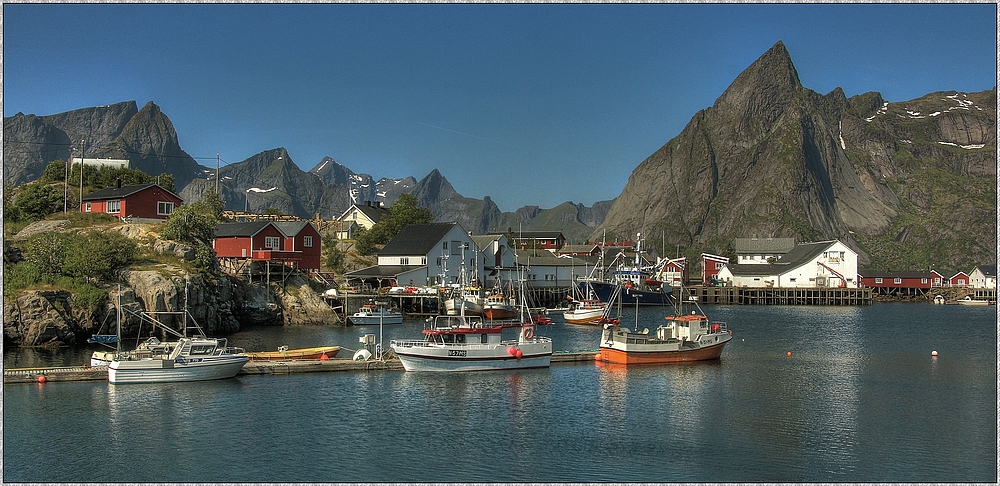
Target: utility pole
82 155
216 174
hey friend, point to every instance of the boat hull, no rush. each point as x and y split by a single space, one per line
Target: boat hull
453 307
473 358
583 316
650 355
175 370
604 291
295 354
499 313
973 302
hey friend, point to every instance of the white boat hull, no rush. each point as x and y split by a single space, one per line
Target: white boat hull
473 357
175 370
453 307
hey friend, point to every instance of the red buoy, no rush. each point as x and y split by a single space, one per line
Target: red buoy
519 354
789 353
41 379
512 351
324 357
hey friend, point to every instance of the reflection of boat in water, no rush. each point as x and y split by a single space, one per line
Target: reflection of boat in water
968 300
284 354
684 337
375 313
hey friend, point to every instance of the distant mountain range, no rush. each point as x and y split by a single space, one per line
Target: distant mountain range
909 184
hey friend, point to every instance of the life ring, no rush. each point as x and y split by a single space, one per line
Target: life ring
528 333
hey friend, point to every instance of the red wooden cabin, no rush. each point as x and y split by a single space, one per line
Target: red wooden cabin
139 201
711 264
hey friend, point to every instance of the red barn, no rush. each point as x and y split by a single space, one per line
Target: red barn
302 237
136 201
711 264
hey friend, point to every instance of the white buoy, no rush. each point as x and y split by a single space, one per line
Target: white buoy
934 353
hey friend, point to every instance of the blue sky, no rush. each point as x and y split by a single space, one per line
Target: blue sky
528 104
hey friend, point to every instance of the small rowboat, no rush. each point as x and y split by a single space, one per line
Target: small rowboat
284 354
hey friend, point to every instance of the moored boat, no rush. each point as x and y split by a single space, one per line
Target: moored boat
467 302
968 300
284 354
499 307
585 311
187 359
466 343
685 337
375 313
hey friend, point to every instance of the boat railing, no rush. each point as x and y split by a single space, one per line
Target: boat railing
718 326
232 350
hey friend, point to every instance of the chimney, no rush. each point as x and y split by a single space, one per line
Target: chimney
118 183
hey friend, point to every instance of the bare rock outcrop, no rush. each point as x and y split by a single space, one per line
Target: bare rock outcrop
302 306
40 318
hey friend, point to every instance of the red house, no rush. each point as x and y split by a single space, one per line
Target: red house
136 201
302 237
265 241
548 240
895 282
960 279
675 272
937 280
711 264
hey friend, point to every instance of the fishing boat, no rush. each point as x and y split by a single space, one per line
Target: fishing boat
499 307
968 300
584 311
187 359
285 354
467 343
636 277
375 313
467 301
685 337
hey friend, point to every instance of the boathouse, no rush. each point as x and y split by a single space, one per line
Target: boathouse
135 202
424 255
239 245
960 279
808 265
711 265
899 282
301 237
761 250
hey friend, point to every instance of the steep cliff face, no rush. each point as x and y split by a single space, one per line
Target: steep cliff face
773 158
145 137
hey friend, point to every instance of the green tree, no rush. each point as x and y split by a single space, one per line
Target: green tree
38 200
55 171
364 242
99 254
333 258
195 223
47 251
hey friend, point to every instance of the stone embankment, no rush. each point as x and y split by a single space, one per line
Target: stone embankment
220 304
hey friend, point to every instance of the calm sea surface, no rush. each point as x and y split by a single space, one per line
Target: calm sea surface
860 399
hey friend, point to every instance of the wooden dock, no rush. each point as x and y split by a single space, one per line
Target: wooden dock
782 296
81 373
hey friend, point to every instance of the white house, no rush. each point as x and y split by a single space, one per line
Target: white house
983 277
750 251
496 257
364 215
544 270
808 265
425 254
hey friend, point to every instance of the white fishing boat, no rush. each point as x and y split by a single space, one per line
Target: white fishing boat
685 337
187 359
585 311
968 300
466 343
375 313
467 301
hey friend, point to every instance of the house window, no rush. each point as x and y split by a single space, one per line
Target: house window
88 207
404 260
897 280
444 245
114 206
439 262
271 242
923 280
354 215
307 241
718 265
164 208
456 247
878 280
792 279
423 260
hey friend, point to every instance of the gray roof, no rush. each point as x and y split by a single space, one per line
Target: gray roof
763 245
290 228
123 191
989 271
538 234
484 241
578 248
417 239
798 256
240 229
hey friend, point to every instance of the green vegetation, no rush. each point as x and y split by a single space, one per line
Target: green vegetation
194 224
403 212
333 258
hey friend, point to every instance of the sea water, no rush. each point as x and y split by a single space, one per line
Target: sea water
858 399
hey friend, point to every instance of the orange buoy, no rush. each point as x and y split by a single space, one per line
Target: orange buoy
41 379
789 353
519 354
324 357
934 353
512 350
